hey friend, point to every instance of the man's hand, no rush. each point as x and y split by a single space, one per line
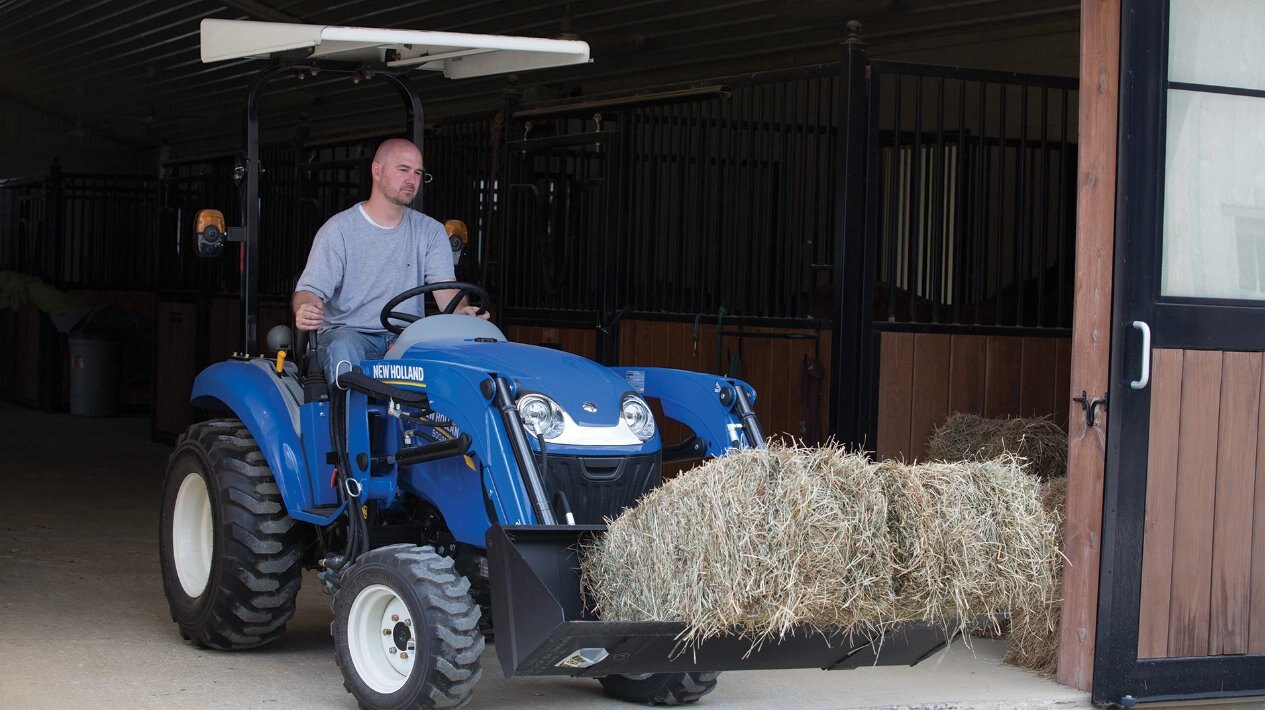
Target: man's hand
309 312
472 311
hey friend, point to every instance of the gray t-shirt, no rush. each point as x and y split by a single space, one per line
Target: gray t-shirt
356 265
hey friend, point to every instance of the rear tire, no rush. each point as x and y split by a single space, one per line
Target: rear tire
231 555
406 632
659 688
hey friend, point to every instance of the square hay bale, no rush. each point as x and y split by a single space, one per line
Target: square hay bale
1034 625
755 543
970 538
968 437
759 542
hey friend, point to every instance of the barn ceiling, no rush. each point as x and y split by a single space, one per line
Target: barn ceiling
130 71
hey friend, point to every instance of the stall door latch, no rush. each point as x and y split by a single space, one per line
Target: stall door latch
1089 404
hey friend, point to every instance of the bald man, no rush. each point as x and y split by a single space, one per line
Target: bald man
365 255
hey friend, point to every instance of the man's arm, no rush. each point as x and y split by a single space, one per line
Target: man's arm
309 312
443 298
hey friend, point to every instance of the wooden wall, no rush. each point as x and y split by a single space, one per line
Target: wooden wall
190 335
1203 561
925 377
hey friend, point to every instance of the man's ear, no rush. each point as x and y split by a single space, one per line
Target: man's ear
375 169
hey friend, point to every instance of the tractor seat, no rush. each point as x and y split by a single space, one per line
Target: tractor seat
443 327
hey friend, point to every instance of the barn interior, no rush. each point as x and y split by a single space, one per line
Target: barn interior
675 202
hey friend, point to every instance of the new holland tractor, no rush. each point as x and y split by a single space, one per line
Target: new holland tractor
441 491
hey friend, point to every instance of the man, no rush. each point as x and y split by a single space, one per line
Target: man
365 255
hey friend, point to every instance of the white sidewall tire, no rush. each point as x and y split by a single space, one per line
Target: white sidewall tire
193 535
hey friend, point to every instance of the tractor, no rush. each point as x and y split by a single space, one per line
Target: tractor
441 493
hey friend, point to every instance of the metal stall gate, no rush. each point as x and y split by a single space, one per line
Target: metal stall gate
555 255
959 193
77 252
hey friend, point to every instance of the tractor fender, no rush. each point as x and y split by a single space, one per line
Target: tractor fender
694 399
268 406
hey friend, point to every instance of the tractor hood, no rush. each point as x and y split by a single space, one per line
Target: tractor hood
590 394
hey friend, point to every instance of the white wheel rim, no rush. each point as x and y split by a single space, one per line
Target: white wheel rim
191 535
377 626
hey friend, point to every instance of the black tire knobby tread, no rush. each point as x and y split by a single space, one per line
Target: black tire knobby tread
258 552
452 619
660 688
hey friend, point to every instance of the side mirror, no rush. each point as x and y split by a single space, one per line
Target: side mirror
210 232
458 237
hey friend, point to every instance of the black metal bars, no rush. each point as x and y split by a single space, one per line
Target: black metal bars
976 212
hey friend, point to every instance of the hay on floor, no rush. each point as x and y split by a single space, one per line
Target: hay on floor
759 542
1034 625
968 437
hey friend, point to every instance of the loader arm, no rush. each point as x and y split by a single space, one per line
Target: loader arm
717 409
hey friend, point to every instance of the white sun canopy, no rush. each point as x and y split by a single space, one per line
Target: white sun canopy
457 54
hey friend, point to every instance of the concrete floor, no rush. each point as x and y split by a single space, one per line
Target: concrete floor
83 621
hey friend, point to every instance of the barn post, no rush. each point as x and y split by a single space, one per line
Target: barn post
851 414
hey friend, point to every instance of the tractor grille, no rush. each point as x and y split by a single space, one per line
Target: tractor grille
598 487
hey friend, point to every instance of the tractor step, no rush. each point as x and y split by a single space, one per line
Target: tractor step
542 627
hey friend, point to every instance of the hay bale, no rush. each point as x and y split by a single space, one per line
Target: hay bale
755 542
970 538
759 542
1034 626
967 437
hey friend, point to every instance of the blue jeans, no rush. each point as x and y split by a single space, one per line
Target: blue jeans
340 349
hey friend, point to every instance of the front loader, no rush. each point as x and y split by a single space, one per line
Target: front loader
442 492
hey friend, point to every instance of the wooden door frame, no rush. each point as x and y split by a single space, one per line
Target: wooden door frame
1091 328
1119 675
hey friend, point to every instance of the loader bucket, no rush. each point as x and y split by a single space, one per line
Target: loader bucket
543 628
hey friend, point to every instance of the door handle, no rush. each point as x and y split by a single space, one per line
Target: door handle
1145 377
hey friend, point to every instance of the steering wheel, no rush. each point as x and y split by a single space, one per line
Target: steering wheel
461 287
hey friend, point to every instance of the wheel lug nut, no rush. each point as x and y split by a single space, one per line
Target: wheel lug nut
395 617
391 650
386 632
408 622
403 655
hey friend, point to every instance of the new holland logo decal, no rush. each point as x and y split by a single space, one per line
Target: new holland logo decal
399 374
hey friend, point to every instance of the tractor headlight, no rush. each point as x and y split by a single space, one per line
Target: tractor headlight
637 416
541 416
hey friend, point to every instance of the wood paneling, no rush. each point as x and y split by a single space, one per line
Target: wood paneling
1161 499
895 392
177 351
1203 557
1003 377
1232 516
1196 484
1091 329
924 378
1256 621
930 402
966 374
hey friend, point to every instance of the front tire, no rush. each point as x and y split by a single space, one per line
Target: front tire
231 555
659 688
406 632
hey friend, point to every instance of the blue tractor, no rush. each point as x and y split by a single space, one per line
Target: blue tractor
442 491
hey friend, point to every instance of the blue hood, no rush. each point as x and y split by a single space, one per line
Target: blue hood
568 379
